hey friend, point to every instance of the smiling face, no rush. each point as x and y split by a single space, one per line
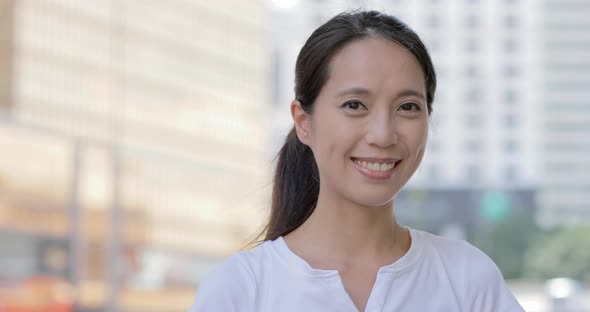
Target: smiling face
369 125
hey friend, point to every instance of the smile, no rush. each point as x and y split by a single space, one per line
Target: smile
380 169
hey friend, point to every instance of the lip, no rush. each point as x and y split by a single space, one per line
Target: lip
374 160
377 175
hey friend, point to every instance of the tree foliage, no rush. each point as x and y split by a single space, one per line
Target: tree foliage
506 242
562 253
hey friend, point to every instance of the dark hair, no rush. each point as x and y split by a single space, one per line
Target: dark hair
296 180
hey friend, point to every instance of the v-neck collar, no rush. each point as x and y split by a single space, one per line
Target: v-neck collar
398 267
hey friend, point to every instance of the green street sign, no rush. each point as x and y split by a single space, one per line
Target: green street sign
494 206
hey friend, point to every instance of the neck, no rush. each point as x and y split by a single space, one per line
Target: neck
343 232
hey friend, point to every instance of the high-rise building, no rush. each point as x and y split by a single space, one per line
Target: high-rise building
565 92
160 109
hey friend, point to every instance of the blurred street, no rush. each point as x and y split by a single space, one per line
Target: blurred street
533 298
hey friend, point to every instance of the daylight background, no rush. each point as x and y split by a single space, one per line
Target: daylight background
137 142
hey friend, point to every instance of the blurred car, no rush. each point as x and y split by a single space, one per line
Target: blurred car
566 294
37 294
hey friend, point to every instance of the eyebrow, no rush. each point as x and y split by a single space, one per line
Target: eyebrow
363 91
354 91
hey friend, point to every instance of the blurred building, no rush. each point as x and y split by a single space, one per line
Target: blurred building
483 140
134 134
565 88
6 25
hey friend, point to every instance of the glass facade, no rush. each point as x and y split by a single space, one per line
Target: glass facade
142 129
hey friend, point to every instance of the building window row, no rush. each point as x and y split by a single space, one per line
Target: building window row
473 174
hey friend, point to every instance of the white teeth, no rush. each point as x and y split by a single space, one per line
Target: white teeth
375 166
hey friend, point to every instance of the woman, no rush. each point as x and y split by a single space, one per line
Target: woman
363 96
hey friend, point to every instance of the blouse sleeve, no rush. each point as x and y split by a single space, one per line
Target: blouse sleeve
229 287
487 289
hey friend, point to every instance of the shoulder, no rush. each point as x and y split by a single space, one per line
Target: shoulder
232 285
486 287
461 259
459 252
474 272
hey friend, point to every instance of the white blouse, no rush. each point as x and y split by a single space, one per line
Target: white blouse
436 274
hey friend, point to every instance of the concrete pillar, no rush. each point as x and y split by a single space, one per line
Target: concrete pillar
6 54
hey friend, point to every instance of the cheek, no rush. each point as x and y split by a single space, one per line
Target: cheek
329 137
416 135
332 144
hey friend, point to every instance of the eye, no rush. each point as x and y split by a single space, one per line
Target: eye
408 106
353 105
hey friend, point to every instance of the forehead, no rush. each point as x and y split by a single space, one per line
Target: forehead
375 63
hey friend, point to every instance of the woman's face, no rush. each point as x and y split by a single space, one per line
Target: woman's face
369 126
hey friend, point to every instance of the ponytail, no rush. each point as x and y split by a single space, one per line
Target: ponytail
296 188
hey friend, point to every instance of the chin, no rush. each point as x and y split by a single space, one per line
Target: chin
369 195
374 200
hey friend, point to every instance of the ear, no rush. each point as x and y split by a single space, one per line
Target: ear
302 122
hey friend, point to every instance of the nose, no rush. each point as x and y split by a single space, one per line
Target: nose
382 131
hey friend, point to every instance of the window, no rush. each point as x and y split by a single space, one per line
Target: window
510 173
434 45
510 45
317 20
510 96
471 45
510 121
473 173
434 146
441 72
510 21
473 95
434 173
471 21
473 121
510 71
433 21
510 146
473 146
471 71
